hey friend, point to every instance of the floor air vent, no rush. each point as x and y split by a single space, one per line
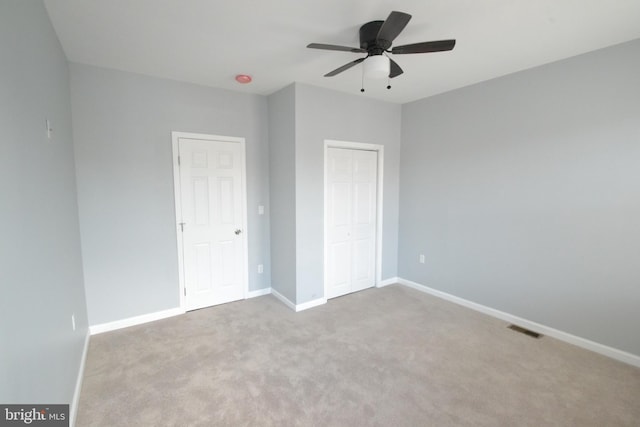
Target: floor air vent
525 331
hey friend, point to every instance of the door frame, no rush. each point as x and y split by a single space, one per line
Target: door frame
331 143
175 138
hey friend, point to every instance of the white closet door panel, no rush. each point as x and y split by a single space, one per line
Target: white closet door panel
351 223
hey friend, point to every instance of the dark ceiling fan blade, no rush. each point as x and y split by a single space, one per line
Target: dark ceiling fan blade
335 47
394 24
424 47
395 69
345 67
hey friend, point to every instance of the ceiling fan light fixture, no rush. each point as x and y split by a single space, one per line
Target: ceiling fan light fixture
377 67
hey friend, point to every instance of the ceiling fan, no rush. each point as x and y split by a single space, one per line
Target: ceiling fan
376 38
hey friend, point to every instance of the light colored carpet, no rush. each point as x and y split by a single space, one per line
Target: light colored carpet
381 357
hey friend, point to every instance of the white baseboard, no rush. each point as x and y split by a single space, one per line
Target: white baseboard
387 282
258 293
299 307
283 299
611 352
132 321
73 410
310 304
158 315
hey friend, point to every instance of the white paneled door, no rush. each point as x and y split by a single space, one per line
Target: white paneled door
212 203
351 220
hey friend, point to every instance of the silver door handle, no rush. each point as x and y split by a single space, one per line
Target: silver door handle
238 231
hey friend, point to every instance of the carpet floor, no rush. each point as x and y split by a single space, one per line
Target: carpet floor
382 357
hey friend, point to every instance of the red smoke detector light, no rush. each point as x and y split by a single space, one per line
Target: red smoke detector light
243 79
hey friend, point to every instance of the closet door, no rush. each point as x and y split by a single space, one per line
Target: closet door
352 178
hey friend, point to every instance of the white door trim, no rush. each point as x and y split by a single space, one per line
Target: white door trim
331 143
175 137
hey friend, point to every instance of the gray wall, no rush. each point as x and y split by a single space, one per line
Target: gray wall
122 132
524 194
282 192
40 261
324 114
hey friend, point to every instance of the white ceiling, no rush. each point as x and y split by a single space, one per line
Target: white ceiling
210 41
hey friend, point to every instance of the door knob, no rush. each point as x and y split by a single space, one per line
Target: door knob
238 231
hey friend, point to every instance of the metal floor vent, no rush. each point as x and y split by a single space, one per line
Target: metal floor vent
525 331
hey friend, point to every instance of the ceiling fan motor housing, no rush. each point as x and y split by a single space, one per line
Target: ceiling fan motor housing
368 34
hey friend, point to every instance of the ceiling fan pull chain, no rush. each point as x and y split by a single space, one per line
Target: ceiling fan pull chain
362 85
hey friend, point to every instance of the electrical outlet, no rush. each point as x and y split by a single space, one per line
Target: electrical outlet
260 210
73 321
421 259
260 269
